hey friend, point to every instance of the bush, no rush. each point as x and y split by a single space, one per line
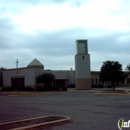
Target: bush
94 86
97 86
47 79
109 86
7 89
26 89
47 88
64 89
57 88
100 86
39 89
29 89
71 86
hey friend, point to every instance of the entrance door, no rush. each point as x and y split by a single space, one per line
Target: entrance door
61 83
17 83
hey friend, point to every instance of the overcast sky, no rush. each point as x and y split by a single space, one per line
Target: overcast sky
47 30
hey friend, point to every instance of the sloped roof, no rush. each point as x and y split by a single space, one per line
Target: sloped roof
35 63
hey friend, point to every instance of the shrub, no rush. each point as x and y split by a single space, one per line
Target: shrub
57 88
100 86
7 89
71 86
64 89
109 86
97 86
39 89
29 89
26 89
47 79
49 88
94 86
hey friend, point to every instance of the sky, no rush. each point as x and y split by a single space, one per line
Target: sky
47 30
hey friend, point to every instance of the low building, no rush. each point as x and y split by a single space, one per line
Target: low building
26 77
96 80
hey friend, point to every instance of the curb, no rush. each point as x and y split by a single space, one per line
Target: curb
48 124
116 94
106 93
28 94
127 92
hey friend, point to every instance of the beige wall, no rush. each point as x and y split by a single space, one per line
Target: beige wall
82 71
95 77
83 83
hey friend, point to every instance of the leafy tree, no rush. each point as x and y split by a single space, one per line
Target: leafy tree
112 71
1 79
1 76
47 79
128 67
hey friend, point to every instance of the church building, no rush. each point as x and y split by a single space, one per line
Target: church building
82 77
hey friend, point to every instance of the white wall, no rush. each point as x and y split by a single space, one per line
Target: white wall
65 74
71 77
59 74
82 66
28 74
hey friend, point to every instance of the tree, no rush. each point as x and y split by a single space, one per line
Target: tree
1 76
128 68
1 79
111 71
47 79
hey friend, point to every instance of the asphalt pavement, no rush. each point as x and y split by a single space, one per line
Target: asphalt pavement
88 110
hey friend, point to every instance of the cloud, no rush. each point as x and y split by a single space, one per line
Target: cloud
75 3
57 48
117 42
7 29
47 30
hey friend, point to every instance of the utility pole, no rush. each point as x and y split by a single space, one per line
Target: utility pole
17 65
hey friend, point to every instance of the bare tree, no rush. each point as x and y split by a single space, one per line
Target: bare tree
128 68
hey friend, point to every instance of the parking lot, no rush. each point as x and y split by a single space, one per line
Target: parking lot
89 111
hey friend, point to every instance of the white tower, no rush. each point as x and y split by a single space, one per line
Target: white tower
82 66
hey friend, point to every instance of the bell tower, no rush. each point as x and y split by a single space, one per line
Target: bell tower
82 65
